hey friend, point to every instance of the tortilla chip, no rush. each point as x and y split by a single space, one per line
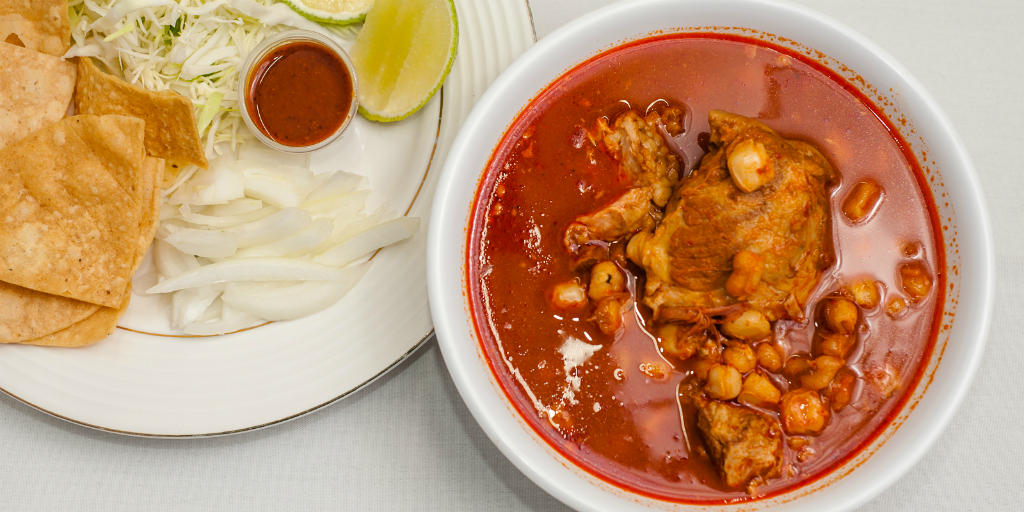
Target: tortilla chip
35 91
27 314
149 217
171 170
93 328
170 117
39 25
68 225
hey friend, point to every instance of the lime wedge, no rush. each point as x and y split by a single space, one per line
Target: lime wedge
337 12
403 54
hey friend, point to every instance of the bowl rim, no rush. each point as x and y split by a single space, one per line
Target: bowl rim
449 218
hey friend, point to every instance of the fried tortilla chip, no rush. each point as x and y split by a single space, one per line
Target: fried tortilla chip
39 25
93 328
68 225
27 314
170 118
152 174
35 91
171 170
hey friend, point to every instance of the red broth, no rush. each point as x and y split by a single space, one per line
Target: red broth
608 415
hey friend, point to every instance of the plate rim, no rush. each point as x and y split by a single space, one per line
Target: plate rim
419 344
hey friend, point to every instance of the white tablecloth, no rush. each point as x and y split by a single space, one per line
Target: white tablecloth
409 443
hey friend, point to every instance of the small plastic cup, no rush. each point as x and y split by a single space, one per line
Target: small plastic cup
256 57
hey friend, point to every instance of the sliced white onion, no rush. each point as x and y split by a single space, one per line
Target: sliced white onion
252 269
347 227
216 185
351 202
272 190
301 179
310 236
168 212
187 306
345 212
339 183
213 313
272 228
370 240
206 261
252 226
295 301
143 281
165 302
171 262
228 221
203 242
179 301
314 183
170 226
231 320
236 207
345 230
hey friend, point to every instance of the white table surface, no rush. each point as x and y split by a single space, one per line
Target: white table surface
407 442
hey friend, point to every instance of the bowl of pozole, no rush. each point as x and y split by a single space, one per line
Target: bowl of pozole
710 253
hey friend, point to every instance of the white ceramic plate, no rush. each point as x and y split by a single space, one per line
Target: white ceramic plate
951 176
159 384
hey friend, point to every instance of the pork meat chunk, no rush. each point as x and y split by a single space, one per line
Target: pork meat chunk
643 160
755 194
745 445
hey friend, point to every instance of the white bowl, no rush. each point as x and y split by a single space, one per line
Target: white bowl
968 240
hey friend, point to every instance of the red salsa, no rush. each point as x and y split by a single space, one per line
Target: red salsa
615 410
299 94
